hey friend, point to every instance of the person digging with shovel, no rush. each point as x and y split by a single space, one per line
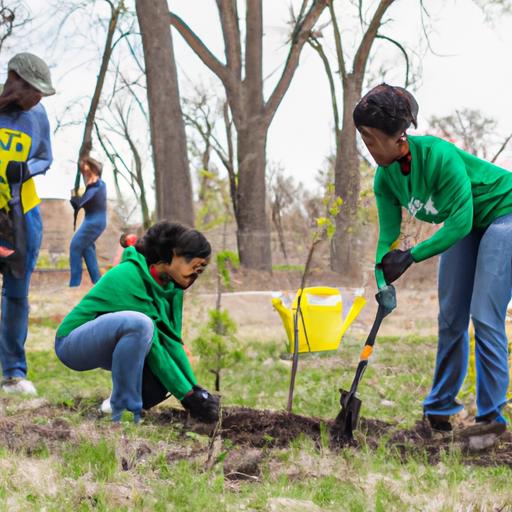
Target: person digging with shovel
130 323
438 182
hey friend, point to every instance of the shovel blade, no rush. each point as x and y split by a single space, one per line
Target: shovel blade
347 419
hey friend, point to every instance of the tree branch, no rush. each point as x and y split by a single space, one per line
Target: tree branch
337 42
317 46
199 48
231 31
404 52
301 34
502 148
361 57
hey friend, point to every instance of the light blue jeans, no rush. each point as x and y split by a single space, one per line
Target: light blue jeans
475 280
82 246
118 342
14 317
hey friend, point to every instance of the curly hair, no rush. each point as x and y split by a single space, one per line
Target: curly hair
165 239
389 108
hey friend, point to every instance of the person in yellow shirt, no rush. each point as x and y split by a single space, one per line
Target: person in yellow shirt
25 151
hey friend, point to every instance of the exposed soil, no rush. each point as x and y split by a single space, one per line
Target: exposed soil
276 429
247 430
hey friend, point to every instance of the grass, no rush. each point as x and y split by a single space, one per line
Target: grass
106 468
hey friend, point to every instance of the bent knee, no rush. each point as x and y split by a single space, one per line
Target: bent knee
141 324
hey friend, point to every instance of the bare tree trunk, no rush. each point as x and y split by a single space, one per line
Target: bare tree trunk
172 175
253 233
347 184
278 223
252 115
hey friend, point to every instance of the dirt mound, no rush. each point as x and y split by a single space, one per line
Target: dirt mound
249 429
267 428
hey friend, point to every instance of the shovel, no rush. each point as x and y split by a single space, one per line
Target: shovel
348 418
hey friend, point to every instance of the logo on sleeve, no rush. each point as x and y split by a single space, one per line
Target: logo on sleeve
416 205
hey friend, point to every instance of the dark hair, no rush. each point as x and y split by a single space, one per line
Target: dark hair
389 108
164 239
95 166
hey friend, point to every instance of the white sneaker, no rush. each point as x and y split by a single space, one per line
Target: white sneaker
105 407
18 385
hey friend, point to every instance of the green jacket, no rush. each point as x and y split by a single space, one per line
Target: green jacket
446 185
130 287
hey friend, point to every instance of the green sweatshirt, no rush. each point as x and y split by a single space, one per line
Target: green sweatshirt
130 287
446 185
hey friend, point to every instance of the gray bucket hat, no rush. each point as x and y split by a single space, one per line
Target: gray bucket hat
33 70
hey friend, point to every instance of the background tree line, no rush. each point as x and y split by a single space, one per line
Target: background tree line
160 142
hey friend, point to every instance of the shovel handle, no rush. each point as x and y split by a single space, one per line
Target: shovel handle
367 349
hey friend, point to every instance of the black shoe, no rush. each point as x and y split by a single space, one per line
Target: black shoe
202 405
485 426
439 422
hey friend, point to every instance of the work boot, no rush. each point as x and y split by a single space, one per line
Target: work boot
202 405
439 422
485 432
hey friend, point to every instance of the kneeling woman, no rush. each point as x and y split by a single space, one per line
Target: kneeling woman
133 316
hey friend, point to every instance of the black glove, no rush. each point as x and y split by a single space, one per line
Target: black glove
17 171
75 202
386 298
395 263
202 405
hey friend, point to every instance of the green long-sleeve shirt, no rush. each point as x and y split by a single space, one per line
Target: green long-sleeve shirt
130 287
446 185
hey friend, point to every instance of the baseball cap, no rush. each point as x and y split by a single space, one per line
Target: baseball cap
33 70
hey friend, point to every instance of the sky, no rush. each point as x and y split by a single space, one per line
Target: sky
468 67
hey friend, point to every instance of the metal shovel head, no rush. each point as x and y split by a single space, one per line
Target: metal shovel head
347 419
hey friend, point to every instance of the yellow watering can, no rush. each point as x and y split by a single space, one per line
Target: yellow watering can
322 323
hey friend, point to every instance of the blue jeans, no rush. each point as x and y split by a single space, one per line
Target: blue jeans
14 318
82 246
475 280
118 342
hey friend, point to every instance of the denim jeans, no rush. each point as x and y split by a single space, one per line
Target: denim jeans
14 317
115 341
475 280
82 246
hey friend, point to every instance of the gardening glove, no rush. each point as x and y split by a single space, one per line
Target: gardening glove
386 298
16 172
75 202
202 405
395 263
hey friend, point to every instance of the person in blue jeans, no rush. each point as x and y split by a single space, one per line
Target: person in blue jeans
25 140
438 182
94 203
130 323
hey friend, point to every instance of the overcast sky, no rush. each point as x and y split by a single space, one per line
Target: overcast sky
474 72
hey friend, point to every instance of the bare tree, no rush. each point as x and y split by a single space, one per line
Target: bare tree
351 75
284 194
250 113
86 145
172 176
472 130
119 123
13 15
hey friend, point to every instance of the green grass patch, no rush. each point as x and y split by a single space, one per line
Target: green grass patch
99 459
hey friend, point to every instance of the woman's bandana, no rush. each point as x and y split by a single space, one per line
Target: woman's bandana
405 163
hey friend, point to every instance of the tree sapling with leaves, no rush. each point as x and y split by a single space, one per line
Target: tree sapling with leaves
217 344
